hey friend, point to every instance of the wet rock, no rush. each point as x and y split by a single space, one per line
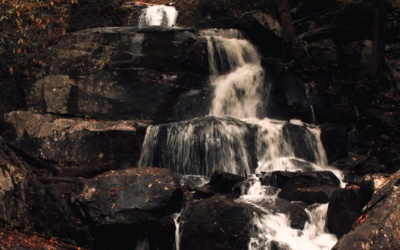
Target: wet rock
241 188
72 140
215 223
192 181
203 192
130 196
310 187
165 233
345 206
378 226
280 179
294 210
223 182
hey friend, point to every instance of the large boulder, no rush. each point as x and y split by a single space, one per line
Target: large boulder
122 73
309 187
344 208
14 185
31 201
130 196
378 226
216 223
72 140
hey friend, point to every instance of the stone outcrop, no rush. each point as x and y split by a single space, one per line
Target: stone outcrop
14 187
378 226
129 196
73 140
122 73
223 223
309 187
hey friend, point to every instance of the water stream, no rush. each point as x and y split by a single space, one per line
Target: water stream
158 15
236 137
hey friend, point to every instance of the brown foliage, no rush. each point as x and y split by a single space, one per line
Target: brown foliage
29 28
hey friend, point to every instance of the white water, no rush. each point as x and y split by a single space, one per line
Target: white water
158 15
177 244
143 244
236 73
274 228
219 144
192 148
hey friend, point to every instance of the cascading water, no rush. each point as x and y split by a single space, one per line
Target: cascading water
273 230
236 73
253 144
158 15
198 147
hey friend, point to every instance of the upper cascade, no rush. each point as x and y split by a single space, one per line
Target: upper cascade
158 15
236 73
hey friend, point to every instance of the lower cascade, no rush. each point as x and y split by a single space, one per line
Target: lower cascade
237 138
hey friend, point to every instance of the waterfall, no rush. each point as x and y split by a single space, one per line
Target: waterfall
237 138
273 230
236 73
175 217
158 15
198 147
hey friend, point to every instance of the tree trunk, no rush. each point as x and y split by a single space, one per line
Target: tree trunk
378 39
292 43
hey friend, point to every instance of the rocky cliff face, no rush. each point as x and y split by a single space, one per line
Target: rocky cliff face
67 161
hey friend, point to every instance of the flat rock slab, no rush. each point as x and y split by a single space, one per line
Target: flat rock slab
72 140
130 196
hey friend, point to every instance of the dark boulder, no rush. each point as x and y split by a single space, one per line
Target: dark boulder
324 55
216 223
223 182
31 201
53 212
294 210
203 192
280 179
122 73
130 196
378 226
72 140
309 187
334 137
355 166
14 188
345 206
